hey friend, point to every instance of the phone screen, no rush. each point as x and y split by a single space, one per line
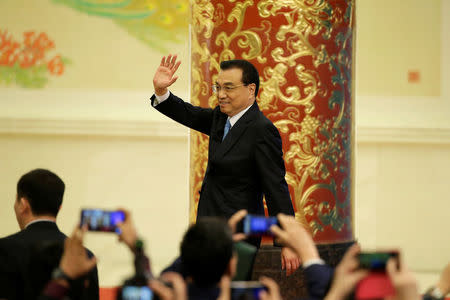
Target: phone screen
258 225
247 290
101 220
136 293
375 260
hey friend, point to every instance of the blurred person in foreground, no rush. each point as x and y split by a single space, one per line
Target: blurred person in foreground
30 257
207 260
325 283
206 252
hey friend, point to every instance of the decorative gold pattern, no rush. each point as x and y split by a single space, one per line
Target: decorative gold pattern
313 115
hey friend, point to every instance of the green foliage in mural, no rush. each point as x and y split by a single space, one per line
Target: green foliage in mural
157 23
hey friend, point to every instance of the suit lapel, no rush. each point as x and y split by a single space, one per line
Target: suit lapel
236 131
216 135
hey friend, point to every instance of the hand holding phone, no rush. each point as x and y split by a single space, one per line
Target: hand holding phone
377 284
376 260
101 220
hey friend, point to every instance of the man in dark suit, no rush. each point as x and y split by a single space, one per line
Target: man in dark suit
245 159
30 257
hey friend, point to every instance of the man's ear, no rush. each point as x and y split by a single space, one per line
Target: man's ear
252 87
24 205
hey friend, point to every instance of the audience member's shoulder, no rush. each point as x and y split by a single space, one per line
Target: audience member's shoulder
11 239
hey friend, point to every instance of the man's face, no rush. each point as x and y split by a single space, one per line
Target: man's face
233 96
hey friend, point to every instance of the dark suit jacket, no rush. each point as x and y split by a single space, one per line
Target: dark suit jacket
318 280
245 165
27 259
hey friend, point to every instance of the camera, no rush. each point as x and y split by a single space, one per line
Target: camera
376 285
258 225
136 287
131 292
101 220
246 290
375 260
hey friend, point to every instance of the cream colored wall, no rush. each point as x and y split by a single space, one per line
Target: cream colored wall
403 133
103 55
398 36
145 174
95 128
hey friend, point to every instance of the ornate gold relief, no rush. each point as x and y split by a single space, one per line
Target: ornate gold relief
303 51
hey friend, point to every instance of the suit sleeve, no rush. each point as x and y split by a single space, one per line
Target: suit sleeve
270 164
318 280
194 117
92 292
93 289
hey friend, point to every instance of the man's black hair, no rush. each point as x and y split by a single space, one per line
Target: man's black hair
206 250
249 72
44 191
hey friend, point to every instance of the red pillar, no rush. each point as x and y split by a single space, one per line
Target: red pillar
303 51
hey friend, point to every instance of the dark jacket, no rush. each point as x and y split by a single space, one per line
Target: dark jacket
27 259
243 167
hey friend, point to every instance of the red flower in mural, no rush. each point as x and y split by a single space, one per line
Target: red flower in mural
7 49
27 62
56 65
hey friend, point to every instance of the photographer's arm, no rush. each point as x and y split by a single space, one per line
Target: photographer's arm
403 280
295 236
74 264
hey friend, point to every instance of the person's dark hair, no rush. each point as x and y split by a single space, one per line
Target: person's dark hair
206 250
44 191
249 72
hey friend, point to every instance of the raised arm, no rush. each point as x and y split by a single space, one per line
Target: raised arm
194 117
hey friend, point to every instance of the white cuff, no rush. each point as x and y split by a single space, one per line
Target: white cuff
159 99
314 261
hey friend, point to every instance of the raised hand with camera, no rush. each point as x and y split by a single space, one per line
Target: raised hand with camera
75 263
178 290
403 280
296 237
273 290
127 231
346 275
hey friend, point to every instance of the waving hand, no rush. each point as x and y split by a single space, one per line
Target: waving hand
164 75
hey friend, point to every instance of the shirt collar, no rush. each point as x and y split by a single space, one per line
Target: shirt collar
39 220
237 116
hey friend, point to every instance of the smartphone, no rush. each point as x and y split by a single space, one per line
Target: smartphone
377 284
137 293
101 220
246 290
258 225
375 260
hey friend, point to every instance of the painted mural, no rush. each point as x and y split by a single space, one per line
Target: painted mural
29 57
28 63
157 23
